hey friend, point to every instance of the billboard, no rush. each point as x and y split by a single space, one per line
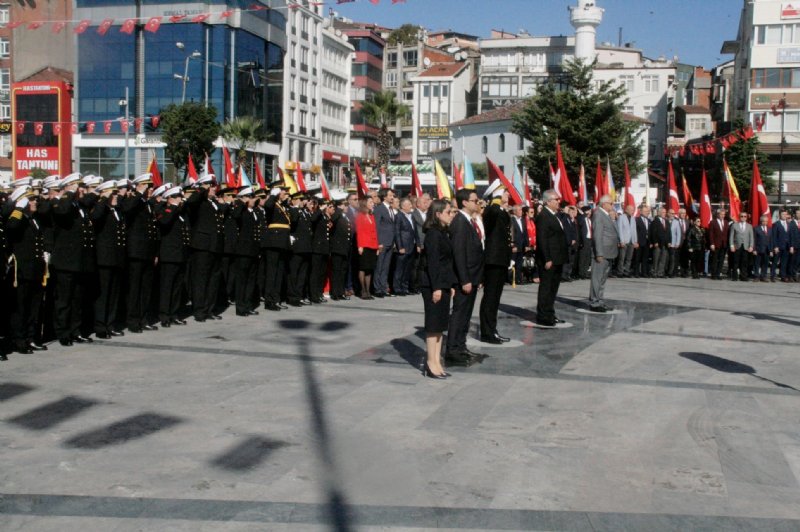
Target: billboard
41 133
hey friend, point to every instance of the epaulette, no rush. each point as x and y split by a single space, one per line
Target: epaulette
16 215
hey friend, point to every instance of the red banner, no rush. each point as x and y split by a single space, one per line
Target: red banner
29 158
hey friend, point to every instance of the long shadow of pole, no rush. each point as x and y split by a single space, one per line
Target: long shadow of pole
339 515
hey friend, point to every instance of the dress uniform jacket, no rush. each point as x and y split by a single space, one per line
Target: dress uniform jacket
26 243
109 227
248 231
174 241
142 228
74 240
278 224
321 239
302 230
497 224
341 237
207 222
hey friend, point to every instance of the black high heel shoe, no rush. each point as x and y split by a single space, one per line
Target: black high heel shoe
426 371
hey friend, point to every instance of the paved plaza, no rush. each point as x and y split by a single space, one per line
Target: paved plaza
678 411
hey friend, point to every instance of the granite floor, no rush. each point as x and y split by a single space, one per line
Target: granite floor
678 411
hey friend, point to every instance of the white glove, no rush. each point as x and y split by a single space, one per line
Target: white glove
510 266
47 257
22 203
275 192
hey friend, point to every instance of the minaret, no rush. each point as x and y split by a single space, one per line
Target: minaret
585 18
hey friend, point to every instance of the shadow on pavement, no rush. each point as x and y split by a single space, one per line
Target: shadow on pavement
132 428
51 414
729 366
249 453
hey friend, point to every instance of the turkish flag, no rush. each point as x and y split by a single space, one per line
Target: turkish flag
124 125
73 128
82 26
104 26
137 124
57 128
759 205
176 18
226 14
57 27
35 25
14 25
20 127
201 18
154 121
705 203
90 127
495 173
747 132
38 128
128 26
710 149
153 24
107 126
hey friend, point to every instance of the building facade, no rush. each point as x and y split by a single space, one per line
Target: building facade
234 63
767 69
337 61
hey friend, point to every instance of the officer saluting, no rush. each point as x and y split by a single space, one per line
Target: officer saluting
497 258
277 244
300 261
320 250
26 249
110 234
246 250
341 243
172 256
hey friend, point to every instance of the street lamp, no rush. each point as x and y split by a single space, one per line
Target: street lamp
185 77
125 102
782 106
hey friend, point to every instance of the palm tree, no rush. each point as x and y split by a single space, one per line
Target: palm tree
383 111
243 133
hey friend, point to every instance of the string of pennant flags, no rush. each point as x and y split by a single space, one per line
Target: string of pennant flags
152 24
710 147
89 126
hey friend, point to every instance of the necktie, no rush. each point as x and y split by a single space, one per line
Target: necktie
589 232
477 229
784 225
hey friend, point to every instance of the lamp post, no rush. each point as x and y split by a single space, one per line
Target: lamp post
185 78
782 106
126 103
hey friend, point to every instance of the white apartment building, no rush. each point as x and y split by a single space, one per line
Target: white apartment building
337 64
767 69
301 97
441 96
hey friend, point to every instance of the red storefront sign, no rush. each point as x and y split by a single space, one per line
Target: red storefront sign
27 159
335 157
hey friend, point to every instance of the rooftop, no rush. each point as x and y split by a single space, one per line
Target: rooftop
443 70
498 114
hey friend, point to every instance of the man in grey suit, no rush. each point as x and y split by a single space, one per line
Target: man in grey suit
677 237
606 249
626 228
419 214
741 241
384 223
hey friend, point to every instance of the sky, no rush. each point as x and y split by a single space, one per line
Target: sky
694 30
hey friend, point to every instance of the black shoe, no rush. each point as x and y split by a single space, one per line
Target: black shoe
559 320
546 323
103 335
216 317
502 338
149 327
379 295
305 301
599 308
3 358
197 319
135 331
248 313
82 340
401 294
37 347
390 295
166 324
491 340
282 306
608 309
178 321
295 303
319 301
24 350
65 342
117 333
459 359
426 371
273 307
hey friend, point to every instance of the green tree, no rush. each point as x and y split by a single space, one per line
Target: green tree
190 127
383 111
39 173
243 133
740 161
407 35
586 118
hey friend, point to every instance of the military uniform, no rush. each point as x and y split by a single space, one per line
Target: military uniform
229 276
300 261
172 257
207 224
320 253
142 246
497 258
110 234
276 250
341 238
246 249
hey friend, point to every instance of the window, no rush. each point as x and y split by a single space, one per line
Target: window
778 34
408 95
391 59
435 91
520 143
484 145
628 109
410 58
5 48
500 86
5 110
423 147
628 82
391 79
426 91
650 83
435 119
426 119
4 14
5 145
5 79
443 120
501 143
774 78
445 90
648 110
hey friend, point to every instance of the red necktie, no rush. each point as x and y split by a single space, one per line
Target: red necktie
477 229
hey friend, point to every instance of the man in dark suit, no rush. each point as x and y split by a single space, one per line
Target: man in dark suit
405 237
468 265
585 243
551 255
497 259
660 238
419 214
717 244
519 242
794 238
762 249
568 221
300 259
641 255
782 248
384 223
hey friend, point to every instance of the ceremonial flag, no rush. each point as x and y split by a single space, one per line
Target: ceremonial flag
759 205
301 180
516 179
288 181
230 177
57 27
416 186
384 181
629 199
176 18
153 169
673 202
90 127
731 192
243 180
192 171
124 125
107 126
38 128
458 179
20 127
325 189
57 129
705 203
207 168
583 194
202 17
82 26
73 128
260 177
35 25
600 185
528 198
137 124
564 187
363 189
469 175
128 26
104 26
442 183
612 190
553 184
688 201
495 173
153 24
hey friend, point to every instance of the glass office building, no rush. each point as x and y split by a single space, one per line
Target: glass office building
234 65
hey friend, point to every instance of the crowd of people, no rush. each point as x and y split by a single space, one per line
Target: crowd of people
87 256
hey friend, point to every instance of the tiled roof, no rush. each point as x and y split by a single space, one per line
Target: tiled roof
498 114
443 70
695 110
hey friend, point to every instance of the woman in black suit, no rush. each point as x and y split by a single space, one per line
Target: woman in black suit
437 283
